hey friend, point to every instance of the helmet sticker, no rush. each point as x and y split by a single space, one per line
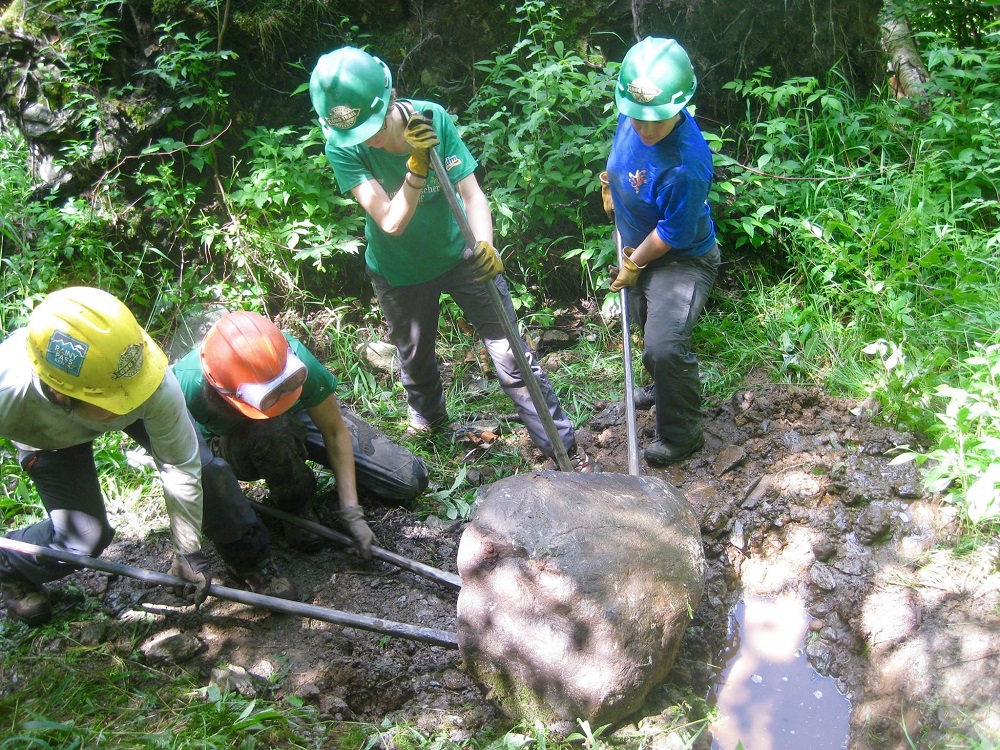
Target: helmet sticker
66 353
129 362
343 117
643 90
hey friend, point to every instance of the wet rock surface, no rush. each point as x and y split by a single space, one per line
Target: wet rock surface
794 493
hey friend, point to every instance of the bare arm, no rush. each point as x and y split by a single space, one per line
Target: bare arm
650 249
330 422
391 214
477 208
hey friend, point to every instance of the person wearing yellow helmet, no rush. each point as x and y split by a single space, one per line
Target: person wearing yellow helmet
82 367
659 174
266 405
379 147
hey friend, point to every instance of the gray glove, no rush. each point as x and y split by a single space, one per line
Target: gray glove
193 568
354 518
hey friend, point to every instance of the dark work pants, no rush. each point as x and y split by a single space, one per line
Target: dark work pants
412 313
276 450
77 522
666 302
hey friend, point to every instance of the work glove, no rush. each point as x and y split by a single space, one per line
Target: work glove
609 206
354 518
193 568
485 262
421 138
628 274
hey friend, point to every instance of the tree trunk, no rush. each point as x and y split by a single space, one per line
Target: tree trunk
909 74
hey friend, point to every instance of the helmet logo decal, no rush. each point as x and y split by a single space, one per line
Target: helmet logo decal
637 179
66 353
343 117
129 362
643 90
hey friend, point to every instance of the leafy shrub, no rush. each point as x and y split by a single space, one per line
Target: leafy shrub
541 123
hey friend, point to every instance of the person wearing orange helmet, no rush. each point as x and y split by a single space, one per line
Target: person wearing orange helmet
83 367
267 405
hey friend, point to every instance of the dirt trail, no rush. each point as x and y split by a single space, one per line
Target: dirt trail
795 494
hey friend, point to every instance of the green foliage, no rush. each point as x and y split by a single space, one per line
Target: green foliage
542 122
876 231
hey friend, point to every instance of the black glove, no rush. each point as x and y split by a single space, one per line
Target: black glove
193 568
421 138
486 263
354 518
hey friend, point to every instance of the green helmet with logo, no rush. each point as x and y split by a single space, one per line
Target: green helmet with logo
350 91
656 80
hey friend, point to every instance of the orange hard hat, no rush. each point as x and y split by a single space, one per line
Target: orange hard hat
249 362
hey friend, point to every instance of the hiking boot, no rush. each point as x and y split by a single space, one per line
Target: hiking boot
302 539
268 580
644 397
582 464
662 453
25 601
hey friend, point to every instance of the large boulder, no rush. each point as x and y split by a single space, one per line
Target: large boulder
576 590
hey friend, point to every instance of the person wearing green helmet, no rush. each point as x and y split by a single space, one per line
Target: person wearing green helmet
379 148
659 174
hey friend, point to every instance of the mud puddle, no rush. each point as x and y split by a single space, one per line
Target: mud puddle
768 696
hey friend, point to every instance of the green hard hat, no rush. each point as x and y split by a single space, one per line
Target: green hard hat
350 91
656 80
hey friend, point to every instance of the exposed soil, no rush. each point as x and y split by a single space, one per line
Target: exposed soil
795 493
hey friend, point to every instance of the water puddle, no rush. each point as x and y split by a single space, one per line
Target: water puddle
769 697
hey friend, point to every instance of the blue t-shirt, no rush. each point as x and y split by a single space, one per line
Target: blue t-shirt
663 187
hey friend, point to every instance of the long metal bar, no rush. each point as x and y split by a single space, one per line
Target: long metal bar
631 427
513 338
435 574
273 603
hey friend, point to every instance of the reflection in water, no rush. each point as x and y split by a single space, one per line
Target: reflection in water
769 697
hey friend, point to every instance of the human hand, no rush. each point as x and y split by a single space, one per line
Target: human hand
193 568
609 206
485 262
421 138
628 274
354 518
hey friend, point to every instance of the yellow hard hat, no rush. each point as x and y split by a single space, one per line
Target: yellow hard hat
86 344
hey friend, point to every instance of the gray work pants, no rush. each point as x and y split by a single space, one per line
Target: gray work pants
412 313
666 303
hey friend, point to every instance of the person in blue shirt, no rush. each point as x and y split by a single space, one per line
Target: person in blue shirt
659 174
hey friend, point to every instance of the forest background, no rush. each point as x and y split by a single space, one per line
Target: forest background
167 152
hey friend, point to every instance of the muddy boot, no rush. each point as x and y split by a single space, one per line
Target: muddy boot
24 600
268 580
302 539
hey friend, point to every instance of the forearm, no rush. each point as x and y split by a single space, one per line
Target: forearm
341 456
477 209
650 249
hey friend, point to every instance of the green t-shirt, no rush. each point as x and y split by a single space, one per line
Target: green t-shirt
213 420
432 242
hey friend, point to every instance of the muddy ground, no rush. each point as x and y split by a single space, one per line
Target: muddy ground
795 493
